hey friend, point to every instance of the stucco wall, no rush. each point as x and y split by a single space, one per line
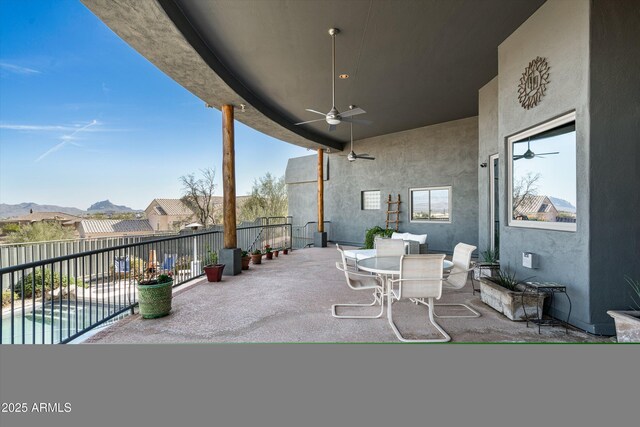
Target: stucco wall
614 156
441 155
487 146
559 32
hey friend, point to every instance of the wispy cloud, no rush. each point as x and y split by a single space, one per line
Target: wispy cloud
44 128
67 139
17 69
61 128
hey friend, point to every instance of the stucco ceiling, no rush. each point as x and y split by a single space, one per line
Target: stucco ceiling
411 63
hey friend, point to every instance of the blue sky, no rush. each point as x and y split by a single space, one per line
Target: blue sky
84 117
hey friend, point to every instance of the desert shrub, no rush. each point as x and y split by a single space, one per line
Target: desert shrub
51 281
6 297
10 228
40 232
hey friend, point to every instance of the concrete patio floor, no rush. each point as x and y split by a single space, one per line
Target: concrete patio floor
289 299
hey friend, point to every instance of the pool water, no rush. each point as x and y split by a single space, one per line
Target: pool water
53 324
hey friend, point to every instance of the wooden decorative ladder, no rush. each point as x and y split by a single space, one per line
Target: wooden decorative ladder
391 211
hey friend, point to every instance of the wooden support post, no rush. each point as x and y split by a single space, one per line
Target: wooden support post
228 178
320 190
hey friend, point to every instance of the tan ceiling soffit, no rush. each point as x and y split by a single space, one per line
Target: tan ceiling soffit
145 26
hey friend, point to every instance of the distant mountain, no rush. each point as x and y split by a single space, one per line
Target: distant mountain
9 211
106 206
562 205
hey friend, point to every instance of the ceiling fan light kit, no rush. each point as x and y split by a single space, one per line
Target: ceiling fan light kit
352 156
334 117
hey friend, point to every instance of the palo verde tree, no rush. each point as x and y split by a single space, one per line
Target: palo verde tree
268 198
198 195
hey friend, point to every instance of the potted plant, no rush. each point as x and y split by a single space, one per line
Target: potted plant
488 266
268 253
628 321
212 269
505 294
256 257
285 251
276 252
154 296
245 259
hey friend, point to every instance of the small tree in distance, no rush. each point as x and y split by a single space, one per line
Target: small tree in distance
198 195
524 188
268 198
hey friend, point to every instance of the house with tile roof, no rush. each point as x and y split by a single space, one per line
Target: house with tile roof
168 214
174 214
538 208
59 217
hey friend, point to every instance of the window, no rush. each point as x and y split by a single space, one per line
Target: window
430 204
370 200
542 176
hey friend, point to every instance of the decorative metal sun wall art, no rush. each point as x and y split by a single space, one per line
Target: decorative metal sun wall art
533 83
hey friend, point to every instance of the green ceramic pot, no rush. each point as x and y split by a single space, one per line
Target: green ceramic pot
155 300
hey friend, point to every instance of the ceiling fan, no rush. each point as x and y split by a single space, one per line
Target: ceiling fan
530 154
352 156
334 117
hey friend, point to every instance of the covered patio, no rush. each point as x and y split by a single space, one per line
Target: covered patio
289 298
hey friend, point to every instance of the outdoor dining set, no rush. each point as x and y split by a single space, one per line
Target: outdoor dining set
393 275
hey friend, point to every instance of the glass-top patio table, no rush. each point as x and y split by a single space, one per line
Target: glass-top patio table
388 265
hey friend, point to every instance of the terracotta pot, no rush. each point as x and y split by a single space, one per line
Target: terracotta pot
269 255
256 259
285 252
275 253
214 272
245 262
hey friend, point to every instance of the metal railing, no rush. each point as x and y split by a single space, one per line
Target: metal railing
58 299
302 236
22 253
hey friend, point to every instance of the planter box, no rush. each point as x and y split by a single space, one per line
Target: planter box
627 325
485 270
510 303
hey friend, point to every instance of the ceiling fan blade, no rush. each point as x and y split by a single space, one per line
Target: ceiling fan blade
314 111
359 121
544 154
309 121
518 157
364 154
352 112
360 156
332 128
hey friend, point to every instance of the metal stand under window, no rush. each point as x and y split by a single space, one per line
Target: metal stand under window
549 288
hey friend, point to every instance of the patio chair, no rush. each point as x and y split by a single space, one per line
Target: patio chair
457 278
420 277
122 264
169 262
389 247
359 281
